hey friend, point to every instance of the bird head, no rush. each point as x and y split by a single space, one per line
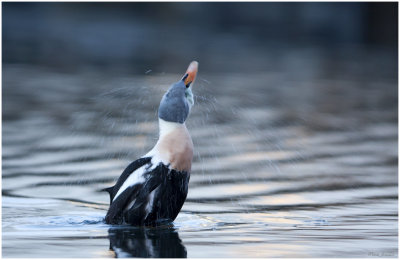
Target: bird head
177 102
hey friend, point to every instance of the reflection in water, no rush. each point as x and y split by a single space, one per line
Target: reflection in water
146 242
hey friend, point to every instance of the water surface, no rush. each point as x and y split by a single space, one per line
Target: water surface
298 161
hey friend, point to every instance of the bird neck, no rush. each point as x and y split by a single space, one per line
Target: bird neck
167 127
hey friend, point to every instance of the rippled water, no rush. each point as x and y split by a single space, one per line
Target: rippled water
288 163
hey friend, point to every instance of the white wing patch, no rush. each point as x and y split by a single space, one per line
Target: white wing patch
150 201
130 205
136 177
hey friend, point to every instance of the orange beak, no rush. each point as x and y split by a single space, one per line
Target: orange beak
191 73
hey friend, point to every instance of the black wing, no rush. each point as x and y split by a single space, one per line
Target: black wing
117 206
137 214
114 213
132 199
170 189
156 200
125 174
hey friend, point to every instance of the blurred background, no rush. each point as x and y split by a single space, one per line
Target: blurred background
139 36
295 126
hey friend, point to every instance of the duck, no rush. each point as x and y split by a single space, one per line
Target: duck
152 189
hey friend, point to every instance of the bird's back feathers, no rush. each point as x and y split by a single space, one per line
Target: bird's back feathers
157 197
125 174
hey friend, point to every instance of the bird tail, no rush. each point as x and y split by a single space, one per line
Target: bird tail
109 190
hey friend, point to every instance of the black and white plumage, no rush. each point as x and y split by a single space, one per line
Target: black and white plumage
152 189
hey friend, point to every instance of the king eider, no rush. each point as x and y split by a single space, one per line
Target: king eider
151 190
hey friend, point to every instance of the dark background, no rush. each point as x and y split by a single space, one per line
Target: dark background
163 36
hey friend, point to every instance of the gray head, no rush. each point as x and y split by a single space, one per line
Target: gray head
177 102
